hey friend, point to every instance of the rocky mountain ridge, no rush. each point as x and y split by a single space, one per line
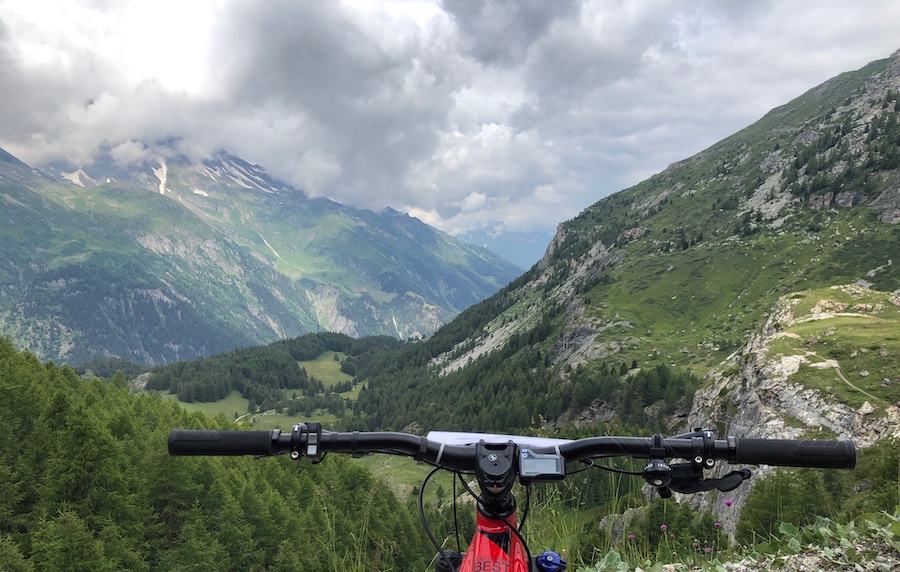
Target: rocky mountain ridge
718 237
754 385
162 258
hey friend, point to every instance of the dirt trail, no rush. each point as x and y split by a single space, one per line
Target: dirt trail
833 364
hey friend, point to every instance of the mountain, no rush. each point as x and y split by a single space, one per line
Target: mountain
522 248
685 265
752 288
669 278
164 258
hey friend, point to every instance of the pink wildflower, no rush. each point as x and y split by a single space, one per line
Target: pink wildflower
663 527
728 502
718 525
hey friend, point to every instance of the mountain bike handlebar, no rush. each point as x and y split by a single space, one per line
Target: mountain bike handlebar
497 459
305 441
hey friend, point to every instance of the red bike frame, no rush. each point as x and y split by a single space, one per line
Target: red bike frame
495 547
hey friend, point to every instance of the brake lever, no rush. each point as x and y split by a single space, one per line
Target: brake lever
695 484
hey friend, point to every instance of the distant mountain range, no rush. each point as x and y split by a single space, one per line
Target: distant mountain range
166 258
523 249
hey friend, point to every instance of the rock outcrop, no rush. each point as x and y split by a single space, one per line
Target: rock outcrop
753 395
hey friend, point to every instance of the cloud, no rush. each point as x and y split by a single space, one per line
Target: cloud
468 114
473 202
502 32
365 88
130 153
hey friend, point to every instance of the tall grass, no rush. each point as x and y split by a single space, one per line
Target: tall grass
871 542
343 556
552 525
622 537
562 520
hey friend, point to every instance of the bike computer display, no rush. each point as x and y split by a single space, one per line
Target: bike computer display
540 468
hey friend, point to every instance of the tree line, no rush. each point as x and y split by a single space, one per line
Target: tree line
515 387
88 486
829 164
262 374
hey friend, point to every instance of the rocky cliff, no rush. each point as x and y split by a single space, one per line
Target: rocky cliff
822 366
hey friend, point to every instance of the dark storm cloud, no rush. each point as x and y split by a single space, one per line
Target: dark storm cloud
374 102
34 98
502 32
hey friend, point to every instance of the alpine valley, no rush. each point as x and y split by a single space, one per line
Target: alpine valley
753 289
165 258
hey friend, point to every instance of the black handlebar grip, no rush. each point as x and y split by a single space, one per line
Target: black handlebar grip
787 453
189 442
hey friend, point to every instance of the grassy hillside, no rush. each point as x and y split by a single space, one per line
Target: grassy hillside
846 343
695 305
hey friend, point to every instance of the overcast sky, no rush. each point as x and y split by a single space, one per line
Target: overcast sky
511 114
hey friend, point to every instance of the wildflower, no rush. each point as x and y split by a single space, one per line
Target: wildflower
708 549
663 527
695 544
718 525
672 535
630 537
728 502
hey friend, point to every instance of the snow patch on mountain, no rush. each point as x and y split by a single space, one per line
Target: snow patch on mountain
161 174
75 177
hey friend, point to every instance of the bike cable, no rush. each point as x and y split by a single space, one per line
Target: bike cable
527 506
440 549
457 474
610 469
